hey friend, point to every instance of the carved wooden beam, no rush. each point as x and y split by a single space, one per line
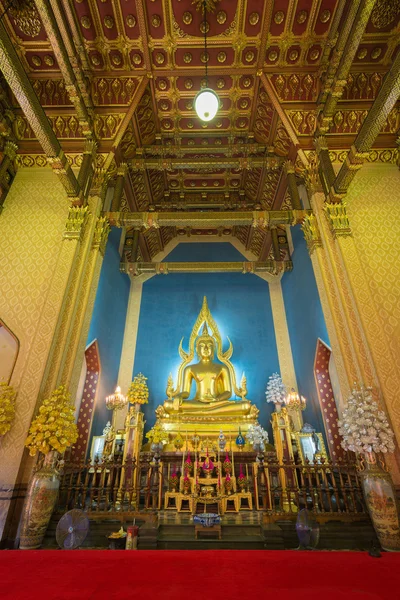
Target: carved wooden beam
53 33
22 89
72 38
273 267
335 57
346 60
137 95
331 39
119 187
171 164
142 22
207 219
292 185
269 88
77 34
247 149
387 97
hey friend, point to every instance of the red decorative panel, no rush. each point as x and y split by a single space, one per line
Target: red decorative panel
86 410
327 400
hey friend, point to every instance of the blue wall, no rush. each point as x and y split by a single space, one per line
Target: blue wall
108 325
240 305
306 324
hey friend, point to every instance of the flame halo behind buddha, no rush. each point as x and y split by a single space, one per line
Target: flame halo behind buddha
212 409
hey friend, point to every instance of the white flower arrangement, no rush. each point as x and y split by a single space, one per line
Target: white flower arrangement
364 427
275 391
257 435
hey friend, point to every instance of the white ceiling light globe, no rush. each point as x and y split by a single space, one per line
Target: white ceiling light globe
206 104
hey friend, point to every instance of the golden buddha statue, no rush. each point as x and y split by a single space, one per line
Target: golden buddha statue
212 382
211 409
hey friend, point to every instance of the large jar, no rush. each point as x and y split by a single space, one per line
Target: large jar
39 503
381 501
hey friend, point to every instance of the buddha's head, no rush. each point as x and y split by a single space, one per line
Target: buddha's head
205 345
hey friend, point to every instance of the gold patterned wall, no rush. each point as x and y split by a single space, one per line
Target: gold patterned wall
372 262
31 229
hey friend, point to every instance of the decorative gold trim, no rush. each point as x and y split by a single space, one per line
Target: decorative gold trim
311 233
100 235
164 268
76 221
337 218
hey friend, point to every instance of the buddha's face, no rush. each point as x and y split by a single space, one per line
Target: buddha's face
205 349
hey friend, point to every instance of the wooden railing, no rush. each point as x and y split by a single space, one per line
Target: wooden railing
277 489
325 488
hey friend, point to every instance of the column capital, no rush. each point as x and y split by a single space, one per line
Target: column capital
90 147
289 167
312 179
122 170
76 221
338 220
100 181
100 235
311 233
10 150
320 143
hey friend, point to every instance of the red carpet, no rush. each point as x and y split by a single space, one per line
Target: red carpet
197 575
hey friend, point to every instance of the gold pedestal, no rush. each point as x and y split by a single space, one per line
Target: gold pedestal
207 429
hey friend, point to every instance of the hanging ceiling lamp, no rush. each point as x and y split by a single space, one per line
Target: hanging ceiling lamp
206 102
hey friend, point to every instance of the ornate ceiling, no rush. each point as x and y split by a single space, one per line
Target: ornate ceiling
175 161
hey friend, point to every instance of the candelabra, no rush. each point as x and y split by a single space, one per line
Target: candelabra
114 402
294 400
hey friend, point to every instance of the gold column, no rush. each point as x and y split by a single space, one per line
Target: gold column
88 163
282 337
328 235
119 187
292 185
91 264
85 235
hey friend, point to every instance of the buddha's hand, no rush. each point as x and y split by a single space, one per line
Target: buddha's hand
177 403
208 397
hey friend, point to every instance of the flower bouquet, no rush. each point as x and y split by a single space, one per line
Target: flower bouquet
257 437
50 433
138 392
242 480
227 464
275 391
7 407
54 428
365 430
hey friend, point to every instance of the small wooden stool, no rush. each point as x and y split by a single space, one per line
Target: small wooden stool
245 501
170 501
207 530
230 504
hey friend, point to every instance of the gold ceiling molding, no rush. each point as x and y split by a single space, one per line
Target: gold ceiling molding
40 160
376 155
261 219
272 267
26 18
384 13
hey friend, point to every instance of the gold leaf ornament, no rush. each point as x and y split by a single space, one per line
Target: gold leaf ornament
54 428
7 407
138 392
